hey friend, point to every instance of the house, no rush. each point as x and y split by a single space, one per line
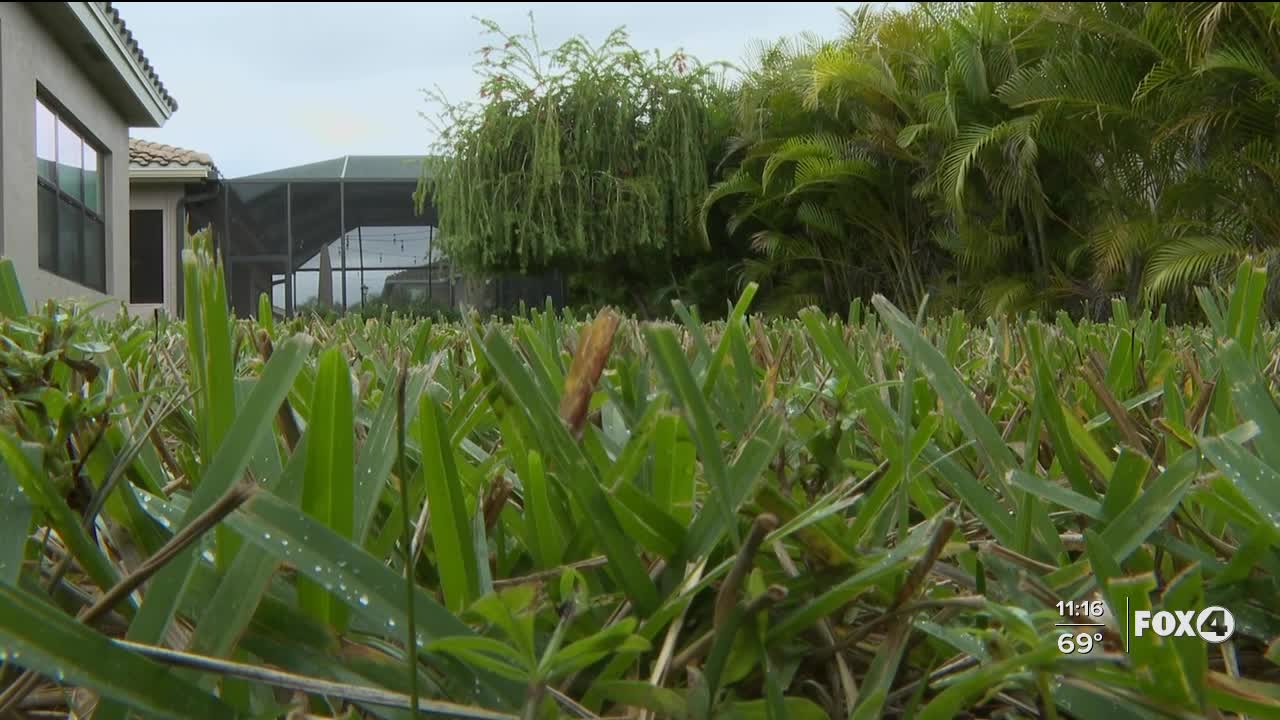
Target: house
73 80
86 213
164 182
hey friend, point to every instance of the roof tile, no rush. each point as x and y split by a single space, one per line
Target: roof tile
127 36
143 153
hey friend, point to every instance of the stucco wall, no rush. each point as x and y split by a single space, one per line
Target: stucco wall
164 197
29 55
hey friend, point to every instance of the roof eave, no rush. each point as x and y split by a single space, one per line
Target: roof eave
170 173
125 81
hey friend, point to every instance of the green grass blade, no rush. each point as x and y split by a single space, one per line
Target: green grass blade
164 596
575 473
16 512
44 639
1245 306
673 479
12 302
450 523
22 461
675 371
949 702
546 538
233 604
364 583
1253 400
1126 482
956 397
329 486
1135 524
1186 592
710 527
732 324
378 453
1056 494
1054 418
1256 480
891 563
1155 659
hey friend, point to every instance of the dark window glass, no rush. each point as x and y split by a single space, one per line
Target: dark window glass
70 240
146 256
47 198
71 231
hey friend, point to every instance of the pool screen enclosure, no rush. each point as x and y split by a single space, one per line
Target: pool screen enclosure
342 233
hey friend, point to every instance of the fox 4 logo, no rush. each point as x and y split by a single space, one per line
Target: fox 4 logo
1213 624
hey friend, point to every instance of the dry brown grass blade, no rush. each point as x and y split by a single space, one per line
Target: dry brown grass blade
920 571
495 500
284 416
839 673
315 686
1117 411
727 598
772 595
588 363
593 562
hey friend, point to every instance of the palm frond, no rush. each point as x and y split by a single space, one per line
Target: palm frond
1180 264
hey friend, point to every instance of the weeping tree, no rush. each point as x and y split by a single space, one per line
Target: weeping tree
589 160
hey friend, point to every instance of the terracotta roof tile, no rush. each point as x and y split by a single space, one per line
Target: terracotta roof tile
143 153
127 36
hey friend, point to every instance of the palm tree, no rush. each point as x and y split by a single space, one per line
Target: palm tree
1010 155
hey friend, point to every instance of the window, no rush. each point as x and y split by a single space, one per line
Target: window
146 256
71 223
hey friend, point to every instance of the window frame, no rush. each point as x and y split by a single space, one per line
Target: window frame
64 119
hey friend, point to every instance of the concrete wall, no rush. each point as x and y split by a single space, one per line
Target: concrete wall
164 197
29 55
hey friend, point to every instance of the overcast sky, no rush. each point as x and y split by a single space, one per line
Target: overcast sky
263 86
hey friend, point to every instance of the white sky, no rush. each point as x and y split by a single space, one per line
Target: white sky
263 86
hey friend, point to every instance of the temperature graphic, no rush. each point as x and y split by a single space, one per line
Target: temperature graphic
1081 643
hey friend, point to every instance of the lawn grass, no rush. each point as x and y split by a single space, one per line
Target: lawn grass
866 516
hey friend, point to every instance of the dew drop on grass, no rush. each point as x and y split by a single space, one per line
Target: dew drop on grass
364 600
284 542
319 569
266 536
391 623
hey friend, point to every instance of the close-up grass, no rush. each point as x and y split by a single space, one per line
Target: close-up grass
863 516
